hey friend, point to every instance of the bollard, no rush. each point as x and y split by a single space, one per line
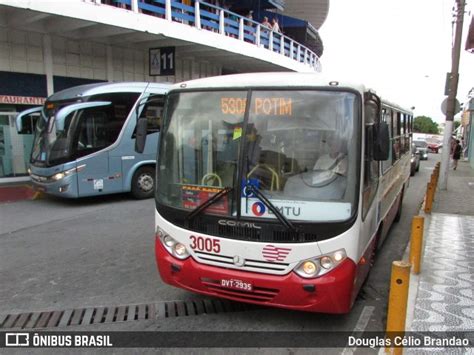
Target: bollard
397 302
416 243
428 198
434 182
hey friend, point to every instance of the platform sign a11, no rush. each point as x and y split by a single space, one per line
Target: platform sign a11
162 61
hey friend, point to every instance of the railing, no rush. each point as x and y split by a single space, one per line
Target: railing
216 19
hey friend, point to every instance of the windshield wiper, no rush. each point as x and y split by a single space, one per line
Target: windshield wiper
272 207
207 203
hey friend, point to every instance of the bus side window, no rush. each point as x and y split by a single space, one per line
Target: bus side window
387 118
153 111
371 166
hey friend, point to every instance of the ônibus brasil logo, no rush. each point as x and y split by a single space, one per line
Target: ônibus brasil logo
258 209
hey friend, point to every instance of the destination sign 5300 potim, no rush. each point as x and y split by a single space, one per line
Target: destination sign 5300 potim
271 106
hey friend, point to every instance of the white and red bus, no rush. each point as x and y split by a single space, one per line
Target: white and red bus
276 189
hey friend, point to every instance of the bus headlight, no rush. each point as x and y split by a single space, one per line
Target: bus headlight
175 248
58 176
321 265
61 175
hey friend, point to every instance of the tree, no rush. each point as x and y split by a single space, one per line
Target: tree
424 124
456 125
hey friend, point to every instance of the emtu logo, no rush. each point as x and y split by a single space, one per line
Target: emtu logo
258 209
17 339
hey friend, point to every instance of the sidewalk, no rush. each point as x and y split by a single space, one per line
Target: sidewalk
16 192
445 298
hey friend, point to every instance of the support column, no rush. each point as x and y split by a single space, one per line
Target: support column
48 63
110 64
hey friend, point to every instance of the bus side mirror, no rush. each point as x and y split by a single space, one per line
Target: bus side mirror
141 131
21 116
381 142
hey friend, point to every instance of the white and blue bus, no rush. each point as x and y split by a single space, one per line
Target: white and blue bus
84 143
277 188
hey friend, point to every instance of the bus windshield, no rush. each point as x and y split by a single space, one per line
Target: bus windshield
85 131
296 147
45 133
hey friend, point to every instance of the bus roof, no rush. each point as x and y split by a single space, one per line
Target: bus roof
268 79
101 88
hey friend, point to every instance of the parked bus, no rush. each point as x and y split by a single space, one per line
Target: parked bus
276 189
84 143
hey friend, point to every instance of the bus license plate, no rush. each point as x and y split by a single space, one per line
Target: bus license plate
236 284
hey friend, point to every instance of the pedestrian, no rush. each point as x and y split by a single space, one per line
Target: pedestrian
452 145
266 23
275 25
456 154
248 28
249 17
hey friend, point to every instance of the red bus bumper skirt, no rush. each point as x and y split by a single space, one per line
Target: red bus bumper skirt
331 293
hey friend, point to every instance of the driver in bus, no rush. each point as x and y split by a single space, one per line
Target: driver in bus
334 159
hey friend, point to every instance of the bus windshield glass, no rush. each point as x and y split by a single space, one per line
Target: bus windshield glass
299 150
85 131
45 133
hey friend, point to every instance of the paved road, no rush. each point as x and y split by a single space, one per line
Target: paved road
60 254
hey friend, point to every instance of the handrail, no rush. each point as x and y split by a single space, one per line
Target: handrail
212 18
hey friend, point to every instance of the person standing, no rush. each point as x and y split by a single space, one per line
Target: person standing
275 25
266 24
456 154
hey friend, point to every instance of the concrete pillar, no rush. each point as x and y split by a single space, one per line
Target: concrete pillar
110 64
48 63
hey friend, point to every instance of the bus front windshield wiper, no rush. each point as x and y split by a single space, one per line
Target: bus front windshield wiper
252 188
207 203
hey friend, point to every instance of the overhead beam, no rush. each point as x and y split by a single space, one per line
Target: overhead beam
165 42
20 18
65 24
99 31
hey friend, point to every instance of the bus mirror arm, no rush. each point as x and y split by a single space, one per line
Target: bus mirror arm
23 114
381 141
141 134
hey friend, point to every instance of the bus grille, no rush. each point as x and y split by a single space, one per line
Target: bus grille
253 234
258 294
249 264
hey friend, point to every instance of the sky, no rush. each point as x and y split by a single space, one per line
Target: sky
399 48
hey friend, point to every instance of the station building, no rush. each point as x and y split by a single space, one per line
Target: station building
48 46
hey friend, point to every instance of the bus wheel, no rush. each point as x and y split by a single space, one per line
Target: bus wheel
143 182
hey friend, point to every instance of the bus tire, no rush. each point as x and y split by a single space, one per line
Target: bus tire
143 182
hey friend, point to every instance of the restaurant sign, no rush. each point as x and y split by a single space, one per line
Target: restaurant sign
22 100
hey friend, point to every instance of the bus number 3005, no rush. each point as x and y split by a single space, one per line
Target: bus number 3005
205 244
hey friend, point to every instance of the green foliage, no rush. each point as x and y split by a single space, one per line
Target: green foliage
456 124
424 124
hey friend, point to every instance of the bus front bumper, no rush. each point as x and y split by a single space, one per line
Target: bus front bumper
331 293
63 188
